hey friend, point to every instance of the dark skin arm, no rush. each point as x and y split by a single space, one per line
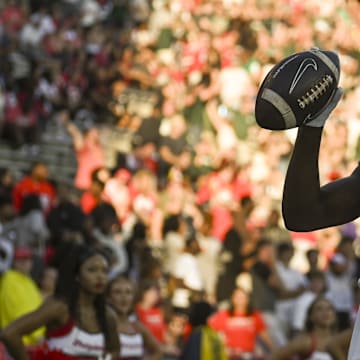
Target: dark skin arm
152 346
339 345
114 342
300 345
308 206
51 312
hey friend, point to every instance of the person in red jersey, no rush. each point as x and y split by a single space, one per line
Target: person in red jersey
79 325
89 151
240 325
37 182
148 310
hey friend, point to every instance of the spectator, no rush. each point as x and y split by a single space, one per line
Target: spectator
266 286
32 33
174 230
118 194
66 221
37 182
314 342
173 149
232 253
273 230
47 282
13 16
135 339
177 326
31 231
203 343
145 203
21 121
316 288
226 138
189 285
149 309
230 265
240 325
293 285
7 181
6 254
7 214
77 320
19 294
346 248
137 249
92 196
108 236
312 257
89 152
209 257
339 289
30 225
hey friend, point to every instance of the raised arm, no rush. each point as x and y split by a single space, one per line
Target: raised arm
72 129
306 204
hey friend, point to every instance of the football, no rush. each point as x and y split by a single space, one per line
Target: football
297 89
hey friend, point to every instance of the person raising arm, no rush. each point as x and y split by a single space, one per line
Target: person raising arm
307 204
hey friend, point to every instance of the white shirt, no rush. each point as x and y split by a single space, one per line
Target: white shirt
186 268
354 348
301 306
319 355
340 291
78 342
292 280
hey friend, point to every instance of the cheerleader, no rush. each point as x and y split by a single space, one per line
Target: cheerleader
78 322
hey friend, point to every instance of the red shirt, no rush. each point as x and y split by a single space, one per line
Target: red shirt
27 186
240 330
89 158
13 18
88 202
153 319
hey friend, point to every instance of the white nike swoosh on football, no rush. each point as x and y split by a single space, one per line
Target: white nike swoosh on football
306 63
308 118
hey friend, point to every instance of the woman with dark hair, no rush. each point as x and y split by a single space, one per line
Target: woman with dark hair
313 344
7 181
241 325
149 310
136 341
78 323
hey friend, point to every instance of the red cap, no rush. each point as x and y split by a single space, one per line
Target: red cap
22 252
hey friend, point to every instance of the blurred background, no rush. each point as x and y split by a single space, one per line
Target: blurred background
142 112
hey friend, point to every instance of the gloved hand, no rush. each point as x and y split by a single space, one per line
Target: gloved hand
319 120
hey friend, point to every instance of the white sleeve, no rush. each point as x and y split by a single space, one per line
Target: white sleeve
300 311
354 348
180 268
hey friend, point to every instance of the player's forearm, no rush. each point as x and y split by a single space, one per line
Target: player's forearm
301 196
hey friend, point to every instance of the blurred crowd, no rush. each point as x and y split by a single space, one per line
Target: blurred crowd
191 210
